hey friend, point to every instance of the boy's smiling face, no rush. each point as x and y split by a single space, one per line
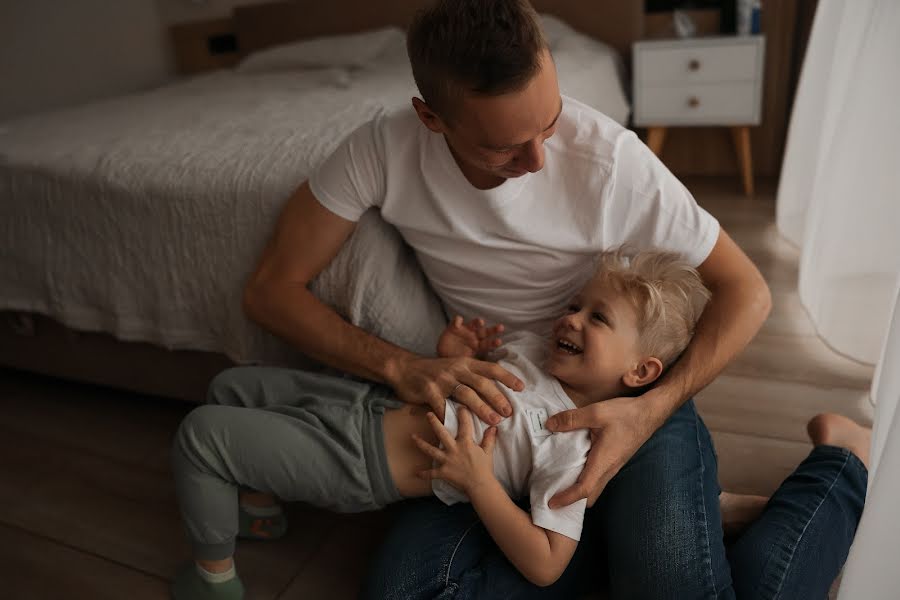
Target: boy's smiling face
594 350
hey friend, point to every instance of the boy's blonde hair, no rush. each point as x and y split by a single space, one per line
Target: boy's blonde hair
666 292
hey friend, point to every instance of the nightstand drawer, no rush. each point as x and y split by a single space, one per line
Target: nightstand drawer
698 104
704 61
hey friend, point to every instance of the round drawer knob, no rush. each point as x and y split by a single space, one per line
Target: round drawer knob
693 101
694 65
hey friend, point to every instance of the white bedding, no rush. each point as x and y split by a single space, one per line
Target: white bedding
143 216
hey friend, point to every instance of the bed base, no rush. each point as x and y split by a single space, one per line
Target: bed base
41 345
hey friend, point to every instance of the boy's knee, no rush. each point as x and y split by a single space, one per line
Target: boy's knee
224 387
195 428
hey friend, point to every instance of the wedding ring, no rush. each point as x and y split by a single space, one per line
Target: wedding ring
453 391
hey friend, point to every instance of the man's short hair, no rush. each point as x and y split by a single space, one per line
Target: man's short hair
667 293
487 47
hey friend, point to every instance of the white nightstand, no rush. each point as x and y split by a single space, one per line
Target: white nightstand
700 81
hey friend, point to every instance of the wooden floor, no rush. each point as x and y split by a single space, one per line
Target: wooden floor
87 508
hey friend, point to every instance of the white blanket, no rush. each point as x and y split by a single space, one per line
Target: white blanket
143 216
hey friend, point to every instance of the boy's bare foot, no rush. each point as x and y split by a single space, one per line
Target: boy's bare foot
739 511
836 430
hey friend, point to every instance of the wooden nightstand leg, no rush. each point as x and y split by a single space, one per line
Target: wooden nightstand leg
656 136
741 137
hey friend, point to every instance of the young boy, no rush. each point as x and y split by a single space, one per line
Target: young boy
617 337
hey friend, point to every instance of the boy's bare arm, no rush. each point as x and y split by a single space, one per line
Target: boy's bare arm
306 239
540 555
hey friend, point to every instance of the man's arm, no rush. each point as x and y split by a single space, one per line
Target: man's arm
739 305
619 427
306 239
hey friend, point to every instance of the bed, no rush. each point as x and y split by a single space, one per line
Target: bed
129 226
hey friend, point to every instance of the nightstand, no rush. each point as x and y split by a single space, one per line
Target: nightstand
700 81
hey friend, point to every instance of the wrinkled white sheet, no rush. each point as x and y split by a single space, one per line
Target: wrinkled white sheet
143 216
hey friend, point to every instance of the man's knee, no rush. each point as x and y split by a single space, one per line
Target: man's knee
662 517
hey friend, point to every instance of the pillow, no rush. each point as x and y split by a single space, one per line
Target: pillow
349 51
376 283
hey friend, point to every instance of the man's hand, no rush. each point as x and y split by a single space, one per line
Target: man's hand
461 462
472 339
470 382
619 427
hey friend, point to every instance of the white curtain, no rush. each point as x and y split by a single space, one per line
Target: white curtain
871 571
839 195
839 202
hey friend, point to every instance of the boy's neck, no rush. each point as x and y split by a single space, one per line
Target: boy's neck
580 398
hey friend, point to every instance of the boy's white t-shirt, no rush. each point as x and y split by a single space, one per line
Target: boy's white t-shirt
515 254
528 459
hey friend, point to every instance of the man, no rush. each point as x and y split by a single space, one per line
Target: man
506 194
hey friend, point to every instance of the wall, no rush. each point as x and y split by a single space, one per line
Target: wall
56 53
181 11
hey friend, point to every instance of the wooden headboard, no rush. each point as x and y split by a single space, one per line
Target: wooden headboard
219 43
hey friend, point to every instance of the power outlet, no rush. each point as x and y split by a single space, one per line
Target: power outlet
225 43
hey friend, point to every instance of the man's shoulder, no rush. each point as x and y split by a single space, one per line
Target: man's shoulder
591 147
585 131
397 120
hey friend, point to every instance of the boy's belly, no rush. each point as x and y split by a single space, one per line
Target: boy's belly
405 460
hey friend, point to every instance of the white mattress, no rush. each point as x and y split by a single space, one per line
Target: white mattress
144 215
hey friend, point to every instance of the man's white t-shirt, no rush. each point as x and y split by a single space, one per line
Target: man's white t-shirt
517 253
528 459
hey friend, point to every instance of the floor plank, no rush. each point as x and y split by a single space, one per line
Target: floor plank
337 568
799 359
122 426
756 465
126 512
36 568
775 409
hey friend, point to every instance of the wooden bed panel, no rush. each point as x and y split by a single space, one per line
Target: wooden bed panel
198 45
46 347
258 26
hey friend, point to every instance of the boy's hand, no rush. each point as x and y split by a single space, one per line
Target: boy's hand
473 339
461 462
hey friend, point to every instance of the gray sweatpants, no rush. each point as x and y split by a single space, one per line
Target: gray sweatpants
300 436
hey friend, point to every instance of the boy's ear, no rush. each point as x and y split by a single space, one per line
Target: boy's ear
644 373
429 118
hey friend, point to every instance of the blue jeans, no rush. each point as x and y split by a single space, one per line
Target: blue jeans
655 532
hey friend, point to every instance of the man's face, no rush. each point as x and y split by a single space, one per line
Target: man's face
499 137
596 342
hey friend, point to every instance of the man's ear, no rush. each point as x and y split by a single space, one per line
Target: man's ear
429 118
644 373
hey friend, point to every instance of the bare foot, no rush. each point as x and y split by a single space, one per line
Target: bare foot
836 430
739 511
256 499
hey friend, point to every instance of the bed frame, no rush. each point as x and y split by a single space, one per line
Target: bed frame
221 43
39 344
